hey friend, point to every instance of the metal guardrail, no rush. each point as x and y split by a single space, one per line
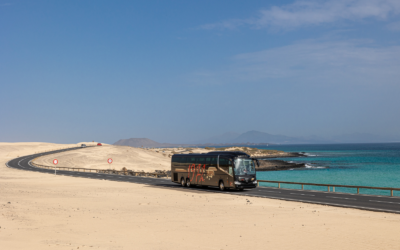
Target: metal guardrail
330 185
104 171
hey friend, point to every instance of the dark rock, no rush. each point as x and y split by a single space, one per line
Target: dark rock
275 165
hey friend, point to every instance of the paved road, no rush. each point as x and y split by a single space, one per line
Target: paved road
365 202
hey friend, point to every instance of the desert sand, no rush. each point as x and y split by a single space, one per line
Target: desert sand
136 159
43 211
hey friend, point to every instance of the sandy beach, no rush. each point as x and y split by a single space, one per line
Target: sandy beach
42 211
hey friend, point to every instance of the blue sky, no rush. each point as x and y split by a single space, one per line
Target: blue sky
181 71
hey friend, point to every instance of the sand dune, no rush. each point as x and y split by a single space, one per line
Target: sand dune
43 211
123 156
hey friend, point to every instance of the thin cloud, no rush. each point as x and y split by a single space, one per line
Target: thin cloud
306 13
312 63
395 26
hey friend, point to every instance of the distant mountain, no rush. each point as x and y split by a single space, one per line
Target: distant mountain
261 137
224 138
139 142
257 138
147 143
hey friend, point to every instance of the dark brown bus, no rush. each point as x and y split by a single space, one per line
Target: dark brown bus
233 170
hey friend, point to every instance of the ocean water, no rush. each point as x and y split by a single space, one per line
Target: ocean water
376 165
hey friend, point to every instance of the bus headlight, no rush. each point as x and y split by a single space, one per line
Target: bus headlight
237 183
254 182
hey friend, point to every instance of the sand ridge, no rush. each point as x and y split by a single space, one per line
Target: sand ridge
43 211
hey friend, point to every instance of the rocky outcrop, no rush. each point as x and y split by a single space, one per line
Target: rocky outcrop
274 165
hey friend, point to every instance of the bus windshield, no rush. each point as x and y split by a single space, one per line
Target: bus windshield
244 167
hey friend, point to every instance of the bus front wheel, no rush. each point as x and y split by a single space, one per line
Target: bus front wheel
221 186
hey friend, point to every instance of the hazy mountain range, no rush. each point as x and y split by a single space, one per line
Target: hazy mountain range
262 138
139 142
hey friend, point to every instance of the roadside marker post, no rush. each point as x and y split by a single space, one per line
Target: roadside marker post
55 162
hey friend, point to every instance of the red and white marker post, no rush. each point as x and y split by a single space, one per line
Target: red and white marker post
109 161
55 162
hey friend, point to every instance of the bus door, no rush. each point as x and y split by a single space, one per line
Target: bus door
226 171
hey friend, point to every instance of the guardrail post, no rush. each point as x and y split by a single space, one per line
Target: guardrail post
391 192
302 187
329 188
333 189
358 190
258 184
279 185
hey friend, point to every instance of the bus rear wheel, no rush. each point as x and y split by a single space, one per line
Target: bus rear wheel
187 182
221 186
183 183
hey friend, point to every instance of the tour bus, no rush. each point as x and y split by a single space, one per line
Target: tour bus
233 170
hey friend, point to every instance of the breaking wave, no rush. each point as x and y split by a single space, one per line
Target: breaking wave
308 165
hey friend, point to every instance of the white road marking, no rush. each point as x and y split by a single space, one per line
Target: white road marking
386 202
334 197
303 194
269 191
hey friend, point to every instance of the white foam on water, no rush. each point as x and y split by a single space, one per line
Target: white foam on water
311 155
311 166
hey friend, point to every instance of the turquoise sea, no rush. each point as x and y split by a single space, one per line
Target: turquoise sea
376 165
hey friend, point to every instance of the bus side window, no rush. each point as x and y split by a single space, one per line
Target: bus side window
201 160
213 161
223 162
183 161
192 160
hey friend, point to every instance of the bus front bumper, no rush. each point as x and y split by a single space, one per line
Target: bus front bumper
252 184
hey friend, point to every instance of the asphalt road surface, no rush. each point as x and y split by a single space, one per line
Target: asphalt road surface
365 202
